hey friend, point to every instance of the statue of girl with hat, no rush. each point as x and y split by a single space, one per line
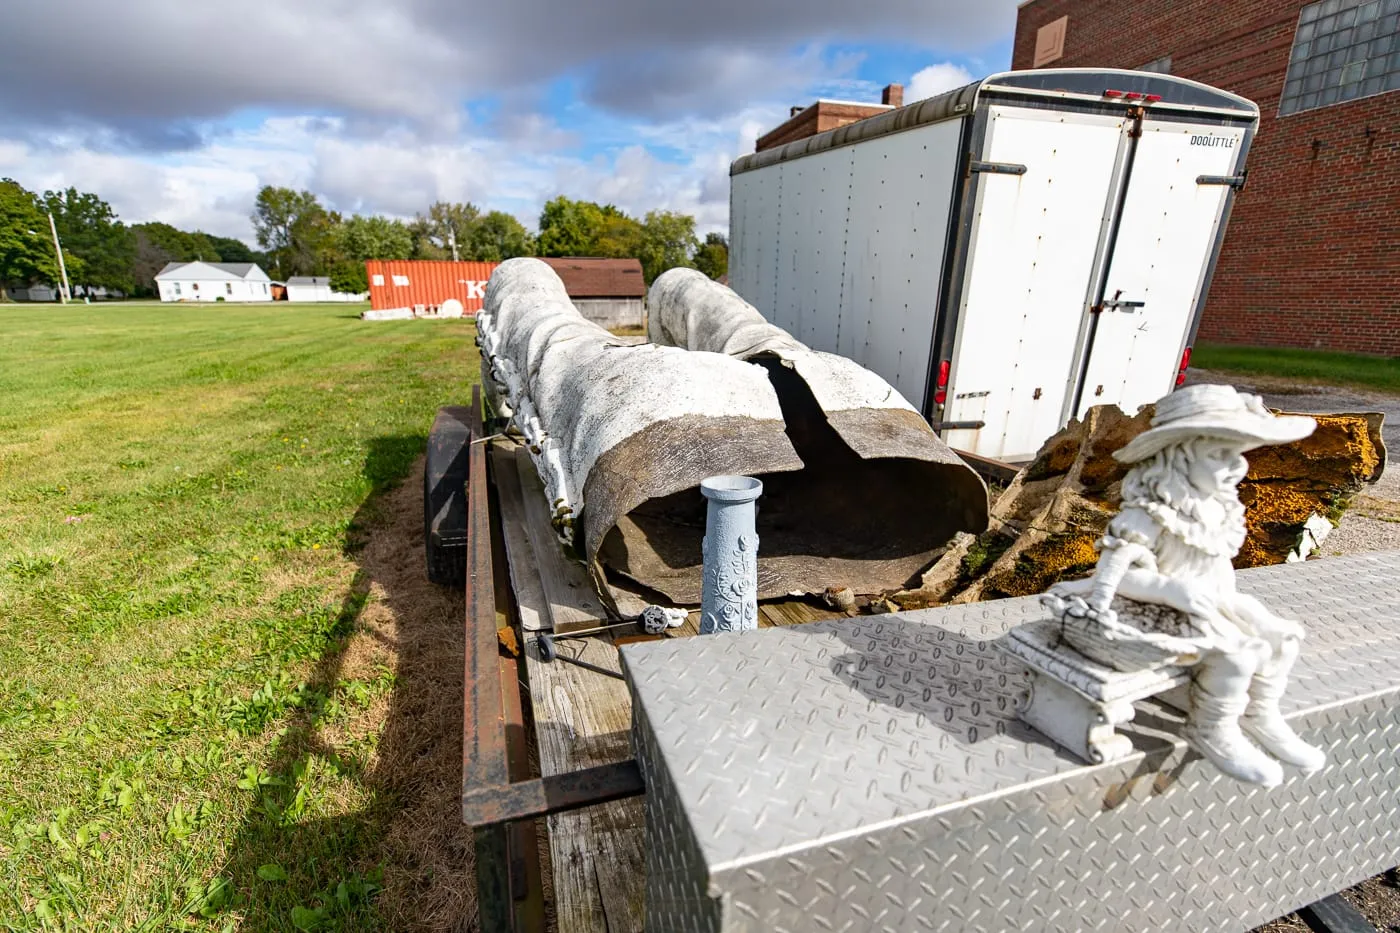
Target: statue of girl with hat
1166 557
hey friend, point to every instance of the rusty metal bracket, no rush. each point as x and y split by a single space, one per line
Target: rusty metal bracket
1136 114
556 793
996 168
1233 181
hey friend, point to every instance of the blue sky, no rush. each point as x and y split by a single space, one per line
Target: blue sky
180 112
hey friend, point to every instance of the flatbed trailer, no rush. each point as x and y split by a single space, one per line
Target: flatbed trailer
568 791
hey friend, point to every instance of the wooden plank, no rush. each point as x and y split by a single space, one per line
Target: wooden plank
530 600
567 588
799 612
583 719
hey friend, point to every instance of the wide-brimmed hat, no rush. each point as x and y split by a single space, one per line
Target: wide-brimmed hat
1215 412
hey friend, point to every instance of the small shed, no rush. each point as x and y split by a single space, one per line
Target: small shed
309 288
609 292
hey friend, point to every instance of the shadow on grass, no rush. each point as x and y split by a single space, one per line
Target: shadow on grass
403 860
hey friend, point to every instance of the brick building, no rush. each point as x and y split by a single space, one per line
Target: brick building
827 115
1312 254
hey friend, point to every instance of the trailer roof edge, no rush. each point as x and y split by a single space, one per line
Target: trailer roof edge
1082 85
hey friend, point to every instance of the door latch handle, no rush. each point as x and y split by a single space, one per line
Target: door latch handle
1116 303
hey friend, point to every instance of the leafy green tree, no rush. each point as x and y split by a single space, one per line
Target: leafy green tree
231 250
349 277
712 258
499 236
618 236
570 228
293 227
446 222
668 241
361 238
26 251
88 227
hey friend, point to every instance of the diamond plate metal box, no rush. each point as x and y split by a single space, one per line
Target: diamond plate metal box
871 775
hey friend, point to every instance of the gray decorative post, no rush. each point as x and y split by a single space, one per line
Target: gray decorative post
729 597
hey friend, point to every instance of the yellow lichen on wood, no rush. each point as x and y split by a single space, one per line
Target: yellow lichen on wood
1046 523
1059 557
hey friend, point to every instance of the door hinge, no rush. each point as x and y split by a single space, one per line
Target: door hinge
997 168
1136 114
1234 181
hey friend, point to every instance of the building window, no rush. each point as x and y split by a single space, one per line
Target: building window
228 287
176 286
1162 66
1343 49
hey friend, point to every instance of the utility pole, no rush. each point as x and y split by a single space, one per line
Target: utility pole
64 293
452 242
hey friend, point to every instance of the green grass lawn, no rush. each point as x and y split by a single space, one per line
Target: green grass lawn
195 687
1350 369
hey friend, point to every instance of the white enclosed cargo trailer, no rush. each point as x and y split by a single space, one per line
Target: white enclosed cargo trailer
1007 254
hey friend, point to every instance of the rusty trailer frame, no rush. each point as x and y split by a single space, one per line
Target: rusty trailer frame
499 798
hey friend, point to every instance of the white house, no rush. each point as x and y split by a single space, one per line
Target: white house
213 281
317 288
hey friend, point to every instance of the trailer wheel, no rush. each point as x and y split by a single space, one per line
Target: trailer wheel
445 496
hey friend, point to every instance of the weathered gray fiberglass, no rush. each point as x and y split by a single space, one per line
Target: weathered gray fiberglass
622 435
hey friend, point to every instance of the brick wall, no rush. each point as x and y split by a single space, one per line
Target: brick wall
818 118
1312 254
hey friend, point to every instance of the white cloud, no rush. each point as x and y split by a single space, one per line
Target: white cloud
387 109
146 68
935 79
213 188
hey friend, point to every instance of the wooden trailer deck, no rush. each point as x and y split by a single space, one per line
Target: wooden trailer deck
581 718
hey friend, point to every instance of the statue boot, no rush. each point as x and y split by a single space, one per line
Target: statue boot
1263 721
1219 697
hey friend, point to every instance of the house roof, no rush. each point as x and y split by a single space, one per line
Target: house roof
309 280
208 270
587 277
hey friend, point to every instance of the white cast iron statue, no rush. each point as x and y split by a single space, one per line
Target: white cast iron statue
1164 588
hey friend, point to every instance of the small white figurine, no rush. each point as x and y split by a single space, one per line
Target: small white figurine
1167 556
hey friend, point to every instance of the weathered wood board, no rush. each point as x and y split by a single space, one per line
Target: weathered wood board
572 603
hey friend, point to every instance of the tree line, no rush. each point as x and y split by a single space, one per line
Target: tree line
303 237
300 236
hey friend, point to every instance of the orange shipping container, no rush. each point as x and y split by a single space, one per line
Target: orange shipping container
407 283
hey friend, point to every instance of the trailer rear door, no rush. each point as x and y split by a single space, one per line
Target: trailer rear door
1169 226
1041 233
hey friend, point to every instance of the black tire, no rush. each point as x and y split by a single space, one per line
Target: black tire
445 469
447 566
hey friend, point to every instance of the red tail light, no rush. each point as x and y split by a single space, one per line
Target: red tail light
940 394
1152 98
1133 95
1112 93
1181 370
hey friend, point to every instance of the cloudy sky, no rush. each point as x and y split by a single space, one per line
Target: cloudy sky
179 110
